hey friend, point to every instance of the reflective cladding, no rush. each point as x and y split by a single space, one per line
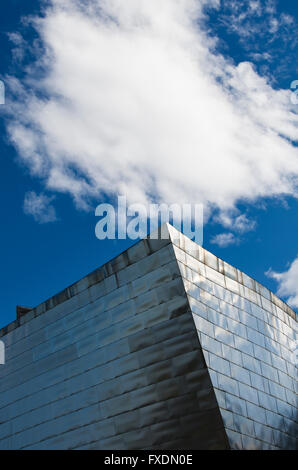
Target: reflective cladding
113 363
164 347
248 340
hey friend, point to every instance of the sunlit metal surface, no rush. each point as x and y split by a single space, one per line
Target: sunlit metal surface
164 347
249 343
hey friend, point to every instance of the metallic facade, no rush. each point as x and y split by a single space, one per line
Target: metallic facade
164 347
248 340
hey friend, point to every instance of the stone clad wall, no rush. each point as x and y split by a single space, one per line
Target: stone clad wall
113 362
248 339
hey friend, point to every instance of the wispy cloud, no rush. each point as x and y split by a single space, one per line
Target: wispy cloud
235 221
18 51
39 207
266 34
128 97
224 239
251 18
287 283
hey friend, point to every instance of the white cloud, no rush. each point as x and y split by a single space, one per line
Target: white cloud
235 221
251 18
40 207
287 283
224 239
19 49
128 97
263 32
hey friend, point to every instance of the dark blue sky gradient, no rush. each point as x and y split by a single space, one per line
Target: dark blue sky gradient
38 260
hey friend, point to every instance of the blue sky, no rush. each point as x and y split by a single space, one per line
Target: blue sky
43 254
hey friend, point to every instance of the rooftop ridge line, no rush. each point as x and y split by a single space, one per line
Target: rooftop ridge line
138 251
